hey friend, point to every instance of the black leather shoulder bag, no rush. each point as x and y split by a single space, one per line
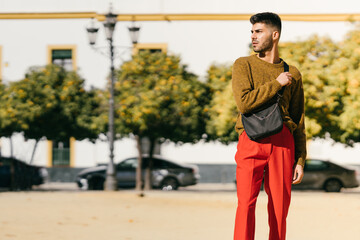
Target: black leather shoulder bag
265 122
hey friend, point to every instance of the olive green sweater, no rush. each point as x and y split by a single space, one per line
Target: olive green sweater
254 84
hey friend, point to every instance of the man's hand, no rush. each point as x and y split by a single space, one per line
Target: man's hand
298 174
284 79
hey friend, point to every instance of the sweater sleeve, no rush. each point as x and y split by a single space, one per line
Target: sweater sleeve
247 98
296 111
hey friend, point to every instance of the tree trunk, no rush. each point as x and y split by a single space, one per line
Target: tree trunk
148 175
139 182
11 147
34 150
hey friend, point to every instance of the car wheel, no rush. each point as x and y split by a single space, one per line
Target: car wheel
96 184
333 185
170 182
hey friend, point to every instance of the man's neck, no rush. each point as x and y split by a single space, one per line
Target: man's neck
270 56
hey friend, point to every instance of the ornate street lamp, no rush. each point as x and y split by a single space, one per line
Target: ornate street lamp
92 32
109 25
134 33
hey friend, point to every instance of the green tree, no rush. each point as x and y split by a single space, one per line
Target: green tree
159 99
221 110
314 58
11 118
51 102
330 73
348 83
8 122
6 125
331 83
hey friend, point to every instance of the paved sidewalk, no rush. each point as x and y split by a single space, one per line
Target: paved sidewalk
192 214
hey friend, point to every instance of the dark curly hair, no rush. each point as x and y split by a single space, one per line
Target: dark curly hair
268 18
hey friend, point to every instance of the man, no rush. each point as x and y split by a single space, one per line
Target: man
279 158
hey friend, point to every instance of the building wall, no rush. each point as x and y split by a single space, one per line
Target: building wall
23 149
25 42
89 154
200 43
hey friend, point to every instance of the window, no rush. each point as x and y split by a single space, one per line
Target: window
162 164
152 47
315 165
151 50
64 56
128 164
61 154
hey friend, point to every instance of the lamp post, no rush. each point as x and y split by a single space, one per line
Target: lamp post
109 25
134 33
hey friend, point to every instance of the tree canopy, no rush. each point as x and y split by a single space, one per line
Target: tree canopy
158 98
221 109
50 102
331 78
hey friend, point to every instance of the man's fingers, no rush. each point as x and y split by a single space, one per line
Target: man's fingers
284 78
298 175
290 78
297 179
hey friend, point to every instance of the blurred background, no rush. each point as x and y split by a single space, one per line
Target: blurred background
136 94
168 64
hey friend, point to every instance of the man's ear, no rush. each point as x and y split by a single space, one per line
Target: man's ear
275 35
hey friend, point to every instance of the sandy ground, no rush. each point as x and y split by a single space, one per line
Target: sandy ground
202 212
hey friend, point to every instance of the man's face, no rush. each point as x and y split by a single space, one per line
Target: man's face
261 37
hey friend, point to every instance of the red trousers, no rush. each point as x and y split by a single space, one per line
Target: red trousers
271 158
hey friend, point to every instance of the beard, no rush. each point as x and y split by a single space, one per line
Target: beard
266 46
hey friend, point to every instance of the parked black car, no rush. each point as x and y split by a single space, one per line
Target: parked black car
18 175
165 173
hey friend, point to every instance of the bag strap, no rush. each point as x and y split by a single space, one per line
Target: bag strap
280 93
286 67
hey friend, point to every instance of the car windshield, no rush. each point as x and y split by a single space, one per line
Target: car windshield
129 163
158 163
132 163
314 165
